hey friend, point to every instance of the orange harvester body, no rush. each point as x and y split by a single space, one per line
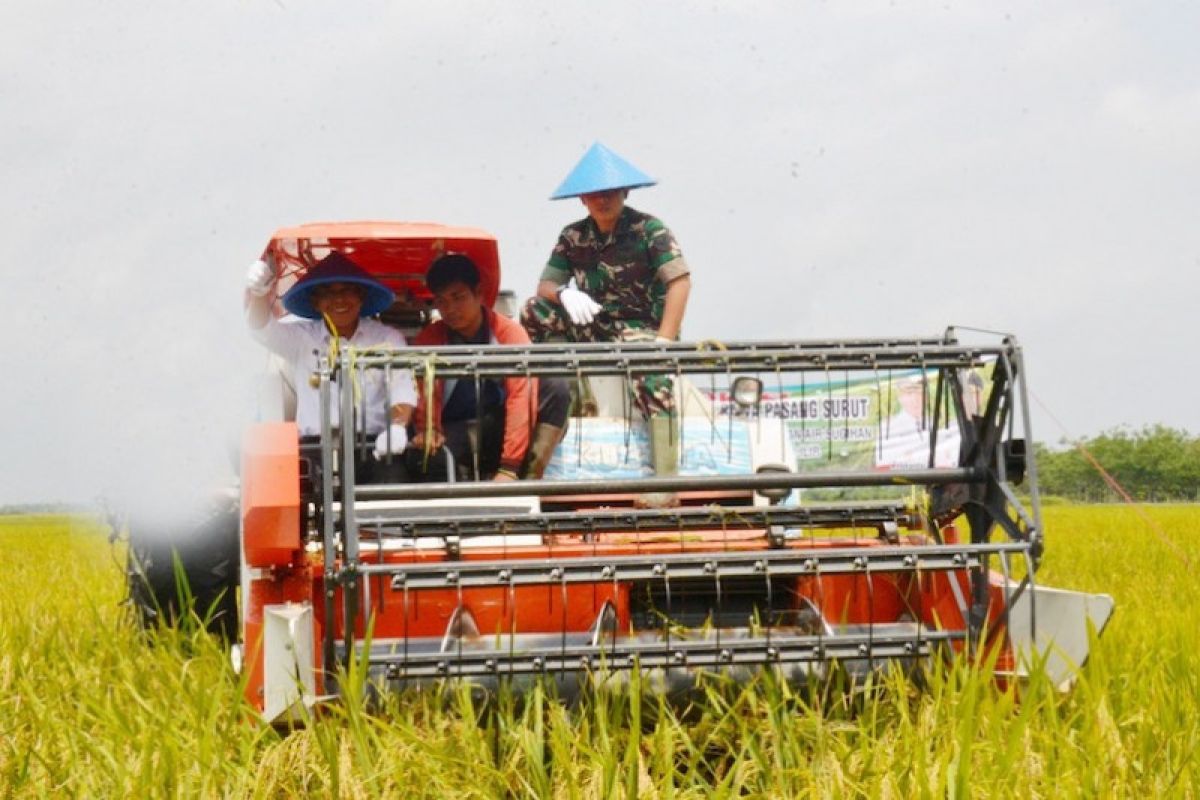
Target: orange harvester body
776 559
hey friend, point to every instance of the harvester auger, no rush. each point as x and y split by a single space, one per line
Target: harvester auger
845 503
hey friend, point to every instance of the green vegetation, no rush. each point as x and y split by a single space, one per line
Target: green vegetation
1154 464
88 708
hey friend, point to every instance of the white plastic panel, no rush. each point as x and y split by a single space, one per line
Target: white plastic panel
287 657
1061 628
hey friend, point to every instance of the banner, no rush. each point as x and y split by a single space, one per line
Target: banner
604 449
868 423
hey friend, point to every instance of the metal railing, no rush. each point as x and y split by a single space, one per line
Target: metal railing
978 487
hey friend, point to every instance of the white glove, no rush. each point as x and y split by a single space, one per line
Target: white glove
580 308
259 278
399 441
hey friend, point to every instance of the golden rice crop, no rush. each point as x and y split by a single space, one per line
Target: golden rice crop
89 708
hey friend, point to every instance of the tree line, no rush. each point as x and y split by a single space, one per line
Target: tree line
1153 464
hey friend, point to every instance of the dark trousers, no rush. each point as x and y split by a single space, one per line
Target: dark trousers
367 469
466 438
474 444
554 402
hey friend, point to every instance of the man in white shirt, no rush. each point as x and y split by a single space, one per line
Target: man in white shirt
904 437
337 297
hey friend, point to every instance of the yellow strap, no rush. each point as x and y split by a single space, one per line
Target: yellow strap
335 348
387 349
710 344
335 341
430 369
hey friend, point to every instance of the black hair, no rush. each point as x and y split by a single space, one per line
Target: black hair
452 268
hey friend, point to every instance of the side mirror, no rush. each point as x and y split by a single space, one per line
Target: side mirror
746 391
1014 455
775 496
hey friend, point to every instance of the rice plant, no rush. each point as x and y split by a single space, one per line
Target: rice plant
90 708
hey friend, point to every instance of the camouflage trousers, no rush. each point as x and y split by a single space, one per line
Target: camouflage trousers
545 321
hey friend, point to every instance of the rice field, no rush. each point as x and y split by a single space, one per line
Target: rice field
89 709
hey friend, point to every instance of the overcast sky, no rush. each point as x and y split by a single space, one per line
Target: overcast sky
830 169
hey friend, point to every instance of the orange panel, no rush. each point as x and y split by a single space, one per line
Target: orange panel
397 253
270 494
537 609
282 586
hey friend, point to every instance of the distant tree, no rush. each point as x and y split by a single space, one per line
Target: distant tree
1154 464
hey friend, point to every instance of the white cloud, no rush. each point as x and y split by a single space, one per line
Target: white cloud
830 169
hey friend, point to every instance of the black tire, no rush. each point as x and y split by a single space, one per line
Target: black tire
205 542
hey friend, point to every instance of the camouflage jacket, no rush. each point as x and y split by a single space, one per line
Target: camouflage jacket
626 271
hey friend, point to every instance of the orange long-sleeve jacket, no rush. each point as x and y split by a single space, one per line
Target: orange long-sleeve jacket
520 392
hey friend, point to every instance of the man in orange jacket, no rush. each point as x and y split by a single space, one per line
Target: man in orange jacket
506 430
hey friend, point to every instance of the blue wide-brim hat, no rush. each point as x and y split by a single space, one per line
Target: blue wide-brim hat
600 170
336 268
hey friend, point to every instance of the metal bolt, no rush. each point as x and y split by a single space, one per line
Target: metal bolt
862 649
910 561
399 580
505 575
490 665
442 666
538 663
772 654
958 558
727 655
816 651
556 573
860 563
908 647
679 656
760 566
809 565
607 572
451 577
659 569
710 567
585 662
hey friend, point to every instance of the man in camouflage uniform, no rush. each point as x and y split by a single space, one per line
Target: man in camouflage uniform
631 284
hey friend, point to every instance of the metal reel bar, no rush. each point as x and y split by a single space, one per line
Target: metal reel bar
595 568
625 359
681 483
628 653
404 522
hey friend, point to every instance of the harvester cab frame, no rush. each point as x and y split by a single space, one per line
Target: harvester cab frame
777 559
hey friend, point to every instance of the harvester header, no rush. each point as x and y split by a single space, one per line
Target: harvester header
562 579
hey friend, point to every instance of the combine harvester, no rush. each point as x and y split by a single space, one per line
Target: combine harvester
844 502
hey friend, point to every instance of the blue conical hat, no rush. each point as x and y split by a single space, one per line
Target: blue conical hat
599 170
336 268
